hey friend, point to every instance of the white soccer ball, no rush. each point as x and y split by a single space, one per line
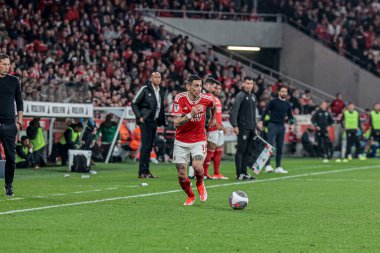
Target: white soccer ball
238 200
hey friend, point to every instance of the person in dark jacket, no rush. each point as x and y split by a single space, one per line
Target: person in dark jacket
321 120
309 143
278 108
37 139
10 92
68 140
108 130
148 107
243 120
24 153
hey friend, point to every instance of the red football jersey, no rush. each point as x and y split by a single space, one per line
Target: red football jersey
218 114
193 130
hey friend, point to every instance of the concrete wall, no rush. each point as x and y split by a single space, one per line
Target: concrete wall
302 58
311 62
220 32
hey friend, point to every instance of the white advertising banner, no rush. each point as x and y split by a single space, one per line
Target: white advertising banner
57 110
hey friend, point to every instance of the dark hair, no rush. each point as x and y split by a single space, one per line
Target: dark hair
193 78
281 87
4 56
217 82
209 80
247 78
23 138
79 125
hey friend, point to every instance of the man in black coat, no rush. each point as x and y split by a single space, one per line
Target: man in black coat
148 107
322 120
243 120
10 92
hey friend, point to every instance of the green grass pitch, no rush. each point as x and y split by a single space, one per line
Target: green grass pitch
315 208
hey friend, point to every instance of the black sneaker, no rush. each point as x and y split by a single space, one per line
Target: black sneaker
8 190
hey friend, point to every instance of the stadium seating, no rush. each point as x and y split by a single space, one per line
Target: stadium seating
351 28
83 53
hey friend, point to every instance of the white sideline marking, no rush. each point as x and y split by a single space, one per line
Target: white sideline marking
15 198
337 180
315 167
175 191
78 192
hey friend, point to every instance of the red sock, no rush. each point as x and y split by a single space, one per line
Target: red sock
186 187
206 163
217 159
199 178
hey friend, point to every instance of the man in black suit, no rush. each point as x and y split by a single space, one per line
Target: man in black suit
10 92
148 106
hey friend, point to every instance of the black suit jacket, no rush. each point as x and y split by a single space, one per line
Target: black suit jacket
145 104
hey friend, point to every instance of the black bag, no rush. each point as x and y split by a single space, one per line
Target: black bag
80 164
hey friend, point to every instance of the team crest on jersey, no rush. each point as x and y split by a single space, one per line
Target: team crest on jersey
176 107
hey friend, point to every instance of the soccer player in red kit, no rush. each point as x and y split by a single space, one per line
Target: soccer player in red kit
190 138
215 137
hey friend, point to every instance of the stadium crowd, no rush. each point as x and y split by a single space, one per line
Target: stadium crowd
352 28
104 56
102 52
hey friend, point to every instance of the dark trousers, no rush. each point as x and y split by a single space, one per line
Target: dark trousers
276 133
8 134
39 157
148 134
311 150
353 139
23 165
61 150
244 150
324 142
104 148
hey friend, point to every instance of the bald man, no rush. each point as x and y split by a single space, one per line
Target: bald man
148 106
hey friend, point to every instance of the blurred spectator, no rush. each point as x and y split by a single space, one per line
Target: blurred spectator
107 131
24 155
294 100
337 105
37 140
68 140
349 27
309 142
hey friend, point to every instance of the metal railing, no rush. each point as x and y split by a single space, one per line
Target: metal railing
264 70
241 16
327 43
169 13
